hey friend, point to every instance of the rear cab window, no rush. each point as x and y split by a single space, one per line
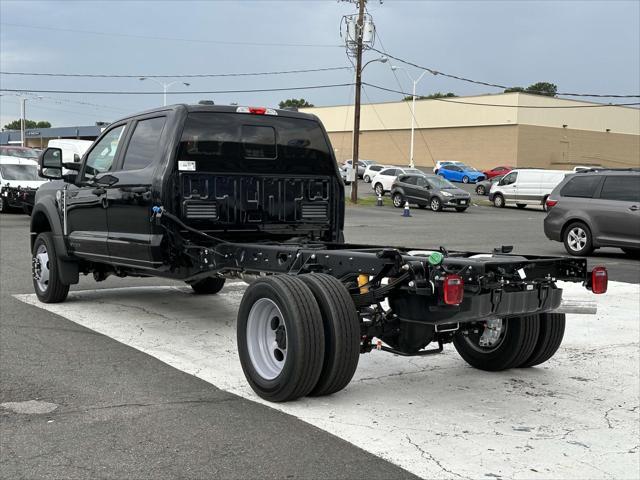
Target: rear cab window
581 187
223 142
144 144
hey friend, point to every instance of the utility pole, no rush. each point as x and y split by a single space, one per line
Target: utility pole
356 113
23 120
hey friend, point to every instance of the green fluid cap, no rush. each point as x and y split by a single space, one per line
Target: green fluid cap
435 258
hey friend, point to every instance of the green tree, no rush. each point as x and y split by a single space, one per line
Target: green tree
15 125
431 97
540 88
295 102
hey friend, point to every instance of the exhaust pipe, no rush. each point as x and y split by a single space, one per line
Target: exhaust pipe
582 307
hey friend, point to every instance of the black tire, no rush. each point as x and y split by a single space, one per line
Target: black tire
341 332
576 228
398 201
632 252
208 286
465 179
521 205
498 201
302 322
379 189
435 204
54 291
367 179
481 190
516 346
549 339
461 209
4 206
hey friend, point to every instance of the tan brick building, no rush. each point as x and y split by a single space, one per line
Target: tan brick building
489 130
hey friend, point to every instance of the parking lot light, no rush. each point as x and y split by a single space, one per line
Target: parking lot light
165 86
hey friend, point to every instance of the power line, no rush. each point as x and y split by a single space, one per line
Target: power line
594 105
111 92
195 75
172 39
496 85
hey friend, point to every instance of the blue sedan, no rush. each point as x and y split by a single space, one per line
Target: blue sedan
461 173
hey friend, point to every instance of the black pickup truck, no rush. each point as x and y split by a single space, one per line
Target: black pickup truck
205 193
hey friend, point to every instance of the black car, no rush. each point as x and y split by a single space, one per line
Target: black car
432 191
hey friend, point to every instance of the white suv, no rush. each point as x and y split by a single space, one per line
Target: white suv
382 182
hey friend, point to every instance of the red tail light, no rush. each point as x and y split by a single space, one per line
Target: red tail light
258 110
453 288
551 203
599 280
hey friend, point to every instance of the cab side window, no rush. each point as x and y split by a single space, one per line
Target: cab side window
509 179
144 144
101 157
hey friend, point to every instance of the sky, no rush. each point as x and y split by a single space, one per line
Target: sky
582 46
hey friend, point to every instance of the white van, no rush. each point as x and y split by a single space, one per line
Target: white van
526 187
72 149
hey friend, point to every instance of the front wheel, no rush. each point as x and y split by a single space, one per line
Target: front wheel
4 207
435 204
577 239
499 343
281 341
397 200
44 268
367 179
379 189
465 179
481 190
498 201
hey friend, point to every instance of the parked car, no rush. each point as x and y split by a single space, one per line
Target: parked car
362 165
596 209
344 175
526 187
461 173
440 163
498 171
19 181
428 191
72 149
372 170
382 182
483 187
19 152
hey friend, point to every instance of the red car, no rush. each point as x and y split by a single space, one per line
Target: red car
494 172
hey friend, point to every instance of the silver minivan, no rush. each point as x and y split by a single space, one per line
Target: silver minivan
596 209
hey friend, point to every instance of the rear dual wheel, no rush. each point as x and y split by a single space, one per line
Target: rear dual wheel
298 336
517 342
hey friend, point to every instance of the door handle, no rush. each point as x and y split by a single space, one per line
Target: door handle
99 191
633 208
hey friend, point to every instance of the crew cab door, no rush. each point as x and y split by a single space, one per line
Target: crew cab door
86 200
133 240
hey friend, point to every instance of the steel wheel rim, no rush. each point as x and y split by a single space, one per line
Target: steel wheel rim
41 270
577 239
397 201
266 338
435 204
498 326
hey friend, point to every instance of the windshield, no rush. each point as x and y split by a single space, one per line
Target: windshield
19 172
439 182
19 152
255 144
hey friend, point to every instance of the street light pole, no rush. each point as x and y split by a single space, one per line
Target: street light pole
23 120
165 86
413 110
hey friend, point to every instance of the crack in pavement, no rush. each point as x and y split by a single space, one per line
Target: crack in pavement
431 458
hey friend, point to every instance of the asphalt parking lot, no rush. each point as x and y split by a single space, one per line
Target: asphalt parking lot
144 382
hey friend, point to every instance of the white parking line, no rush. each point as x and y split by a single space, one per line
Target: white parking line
574 417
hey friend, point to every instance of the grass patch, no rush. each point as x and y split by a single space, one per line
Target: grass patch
368 201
